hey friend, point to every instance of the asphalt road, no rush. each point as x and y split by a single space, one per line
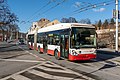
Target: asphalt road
20 63
13 59
101 68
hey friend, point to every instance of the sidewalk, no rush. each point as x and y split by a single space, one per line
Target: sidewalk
4 44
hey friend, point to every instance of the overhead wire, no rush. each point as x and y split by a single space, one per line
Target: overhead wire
87 3
39 10
59 3
94 6
88 7
85 8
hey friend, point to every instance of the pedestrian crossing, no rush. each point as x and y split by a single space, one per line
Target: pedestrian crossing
47 71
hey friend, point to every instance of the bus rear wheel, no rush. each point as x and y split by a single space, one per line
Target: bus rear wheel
56 55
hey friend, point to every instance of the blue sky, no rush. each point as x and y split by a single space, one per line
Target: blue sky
30 10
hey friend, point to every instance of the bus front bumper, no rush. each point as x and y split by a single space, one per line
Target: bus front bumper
82 57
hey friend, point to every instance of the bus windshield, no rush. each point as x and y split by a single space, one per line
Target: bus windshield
82 37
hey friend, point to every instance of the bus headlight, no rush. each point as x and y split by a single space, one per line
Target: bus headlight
74 53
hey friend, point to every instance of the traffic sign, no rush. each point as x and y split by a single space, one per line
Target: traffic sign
114 14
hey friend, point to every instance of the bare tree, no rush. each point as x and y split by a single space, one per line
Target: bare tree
85 21
105 24
69 20
7 18
99 24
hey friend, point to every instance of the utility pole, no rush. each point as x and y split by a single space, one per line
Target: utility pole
116 48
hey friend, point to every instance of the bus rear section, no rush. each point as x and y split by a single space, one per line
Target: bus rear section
31 41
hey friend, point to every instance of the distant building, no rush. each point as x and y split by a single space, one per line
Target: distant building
52 23
40 24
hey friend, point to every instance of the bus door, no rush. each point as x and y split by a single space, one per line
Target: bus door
44 45
32 41
64 46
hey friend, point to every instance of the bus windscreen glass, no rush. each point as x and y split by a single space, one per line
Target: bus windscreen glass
82 37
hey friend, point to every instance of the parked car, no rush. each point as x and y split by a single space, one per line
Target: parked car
21 41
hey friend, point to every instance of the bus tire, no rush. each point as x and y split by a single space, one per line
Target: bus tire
56 55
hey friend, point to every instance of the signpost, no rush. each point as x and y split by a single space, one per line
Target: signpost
114 14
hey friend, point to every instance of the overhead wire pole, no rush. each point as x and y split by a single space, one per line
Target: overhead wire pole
116 48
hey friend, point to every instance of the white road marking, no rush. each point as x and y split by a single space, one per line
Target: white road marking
45 75
20 77
26 51
18 73
15 60
37 57
53 70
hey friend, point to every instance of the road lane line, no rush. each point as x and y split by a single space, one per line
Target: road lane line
37 57
15 60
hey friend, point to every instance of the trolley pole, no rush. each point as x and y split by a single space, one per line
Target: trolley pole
116 26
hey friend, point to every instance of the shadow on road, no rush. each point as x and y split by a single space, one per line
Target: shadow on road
102 55
10 47
7 46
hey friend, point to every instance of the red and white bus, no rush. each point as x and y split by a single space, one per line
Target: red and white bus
73 41
30 39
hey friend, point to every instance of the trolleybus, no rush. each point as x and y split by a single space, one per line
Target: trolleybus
30 39
73 41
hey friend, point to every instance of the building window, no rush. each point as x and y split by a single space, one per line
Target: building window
52 23
43 19
35 26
